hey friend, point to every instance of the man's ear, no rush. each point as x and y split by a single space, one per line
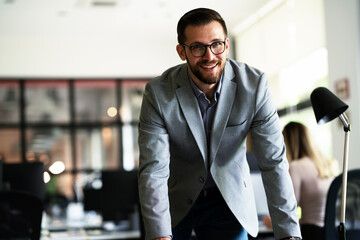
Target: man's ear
227 45
181 51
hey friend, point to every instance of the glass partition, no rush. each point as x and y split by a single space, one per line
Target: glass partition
97 148
47 101
84 124
94 100
131 93
10 146
49 145
9 101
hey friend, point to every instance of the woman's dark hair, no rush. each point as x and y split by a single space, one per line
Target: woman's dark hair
198 17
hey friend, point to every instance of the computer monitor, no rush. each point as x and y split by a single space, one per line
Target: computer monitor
92 199
119 194
25 177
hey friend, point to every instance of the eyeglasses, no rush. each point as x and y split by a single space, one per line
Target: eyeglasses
199 50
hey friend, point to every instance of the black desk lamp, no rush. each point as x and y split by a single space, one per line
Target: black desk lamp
326 107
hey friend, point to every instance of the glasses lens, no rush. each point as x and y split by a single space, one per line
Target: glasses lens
198 50
217 47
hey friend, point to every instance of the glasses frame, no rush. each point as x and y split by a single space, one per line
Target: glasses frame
206 46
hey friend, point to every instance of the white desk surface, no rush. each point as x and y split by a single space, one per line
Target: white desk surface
264 229
104 235
89 235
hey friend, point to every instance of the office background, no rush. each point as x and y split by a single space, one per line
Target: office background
72 74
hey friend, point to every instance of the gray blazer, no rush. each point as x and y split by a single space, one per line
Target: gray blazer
174 155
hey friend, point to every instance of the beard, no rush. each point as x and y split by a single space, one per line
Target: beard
206 77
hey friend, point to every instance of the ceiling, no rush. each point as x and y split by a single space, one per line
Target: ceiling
104 37
157 16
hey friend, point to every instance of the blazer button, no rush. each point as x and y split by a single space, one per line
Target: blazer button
201 180
189 201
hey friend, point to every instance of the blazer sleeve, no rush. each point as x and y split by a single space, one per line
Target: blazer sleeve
153 168
269 148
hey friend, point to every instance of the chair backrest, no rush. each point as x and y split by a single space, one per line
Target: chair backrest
20 215
352 213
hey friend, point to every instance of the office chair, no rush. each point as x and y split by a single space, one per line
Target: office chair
20 215
333 205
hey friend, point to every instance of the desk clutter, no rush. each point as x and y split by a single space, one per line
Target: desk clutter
78 224
90 234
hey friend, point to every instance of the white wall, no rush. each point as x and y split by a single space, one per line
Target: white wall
293 30
343 43
288 44
279 41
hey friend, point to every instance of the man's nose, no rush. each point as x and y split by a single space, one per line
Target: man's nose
208 53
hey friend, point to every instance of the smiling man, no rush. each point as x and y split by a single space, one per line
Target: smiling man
193 173
205 67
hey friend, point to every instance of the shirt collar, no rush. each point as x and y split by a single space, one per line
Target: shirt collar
198 92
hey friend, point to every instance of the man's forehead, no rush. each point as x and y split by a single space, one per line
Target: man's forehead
212 31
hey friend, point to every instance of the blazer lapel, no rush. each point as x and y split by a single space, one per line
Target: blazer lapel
191 110
223 109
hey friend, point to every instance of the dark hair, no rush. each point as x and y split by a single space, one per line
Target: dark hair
198 17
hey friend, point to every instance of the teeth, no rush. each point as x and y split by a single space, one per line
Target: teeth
209 66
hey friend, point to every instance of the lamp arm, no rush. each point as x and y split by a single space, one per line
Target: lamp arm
344 178
342 228
345 121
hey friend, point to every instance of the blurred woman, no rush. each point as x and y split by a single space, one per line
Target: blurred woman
311 174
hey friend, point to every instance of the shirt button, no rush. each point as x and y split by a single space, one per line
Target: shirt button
201 180
189 201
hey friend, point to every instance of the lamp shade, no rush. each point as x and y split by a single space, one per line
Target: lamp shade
326 105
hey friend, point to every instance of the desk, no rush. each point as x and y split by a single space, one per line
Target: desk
82 234
63 229
264 230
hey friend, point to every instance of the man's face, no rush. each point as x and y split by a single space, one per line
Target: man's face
208 68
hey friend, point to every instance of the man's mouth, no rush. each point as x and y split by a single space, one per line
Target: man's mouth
208 66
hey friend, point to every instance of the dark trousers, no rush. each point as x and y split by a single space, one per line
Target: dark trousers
310 231
210 218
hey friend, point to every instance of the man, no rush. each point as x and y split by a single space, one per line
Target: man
194 118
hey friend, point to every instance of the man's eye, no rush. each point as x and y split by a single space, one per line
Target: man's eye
196 47
217 44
